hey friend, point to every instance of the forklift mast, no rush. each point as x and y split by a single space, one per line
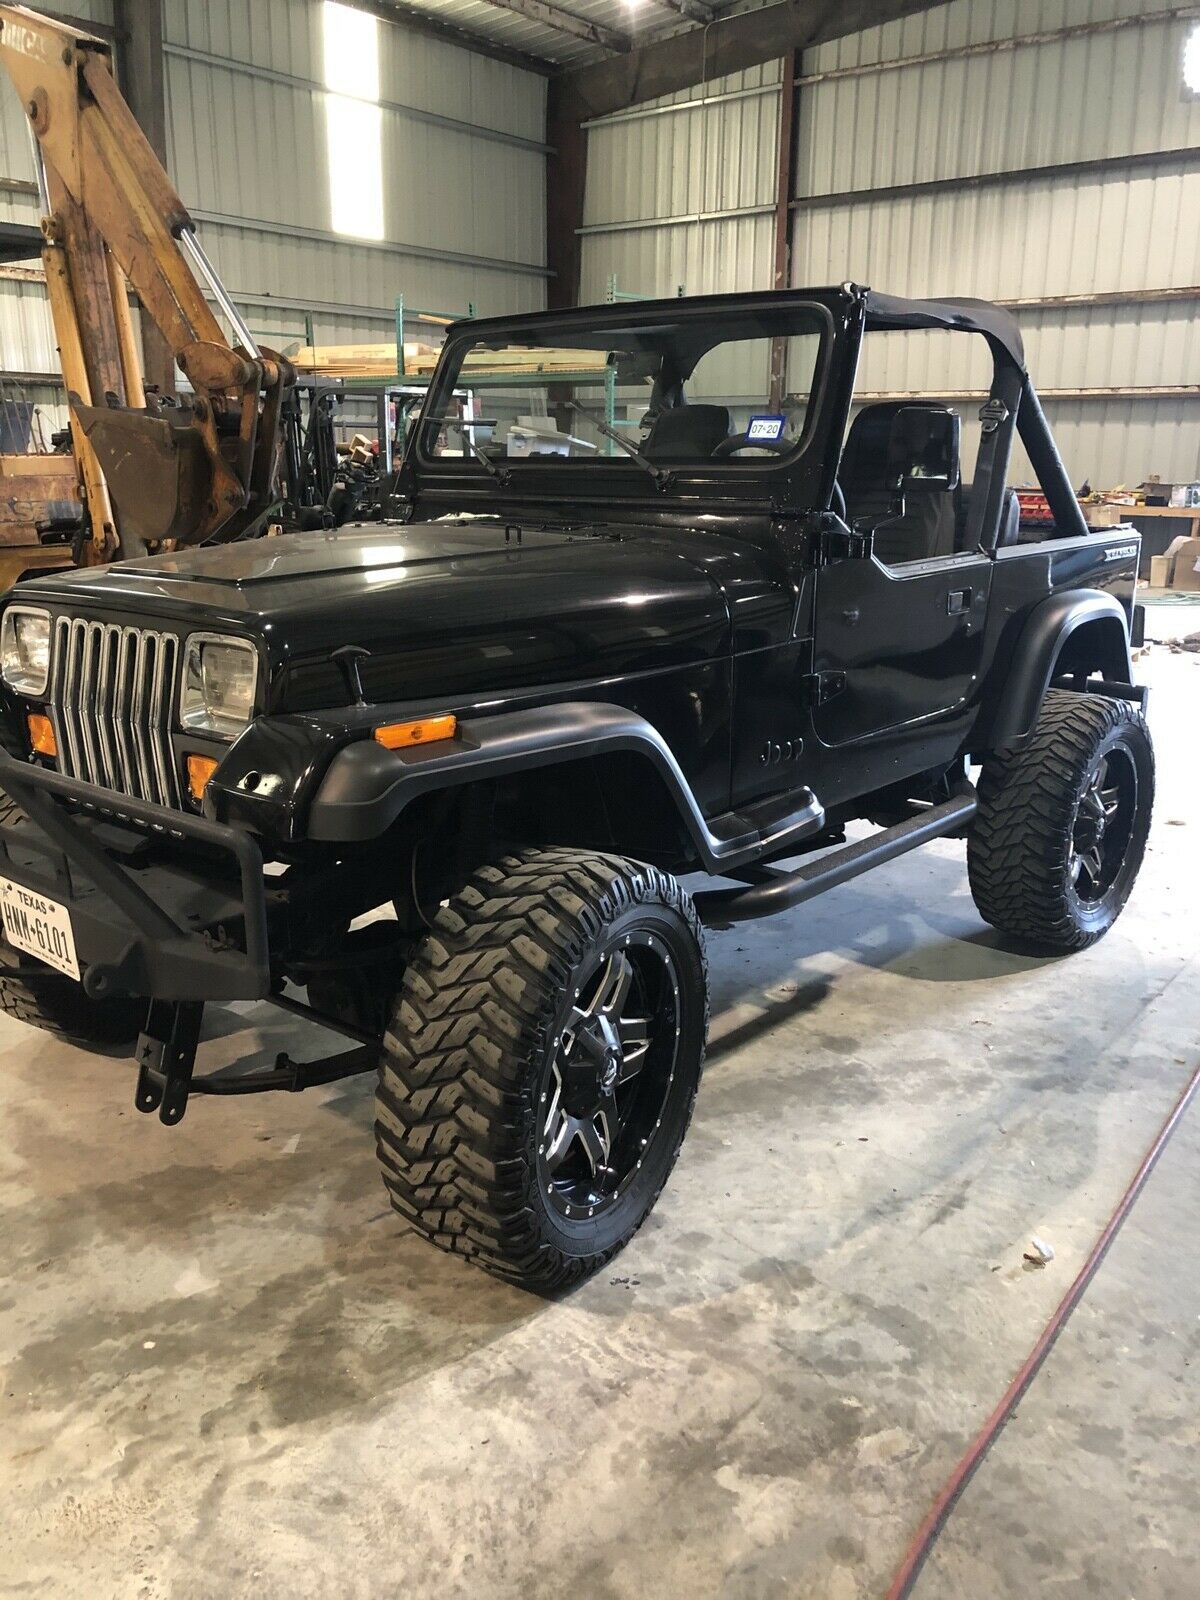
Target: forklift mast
155 473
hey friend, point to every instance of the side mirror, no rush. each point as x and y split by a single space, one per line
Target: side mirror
925 445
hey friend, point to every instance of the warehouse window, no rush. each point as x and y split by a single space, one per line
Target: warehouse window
1191 60
353 120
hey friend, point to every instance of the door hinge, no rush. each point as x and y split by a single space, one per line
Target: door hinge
836 542
822 686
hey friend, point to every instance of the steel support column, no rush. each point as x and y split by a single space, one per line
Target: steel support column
139 36
785 188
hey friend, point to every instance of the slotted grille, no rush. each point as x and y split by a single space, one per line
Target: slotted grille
111 695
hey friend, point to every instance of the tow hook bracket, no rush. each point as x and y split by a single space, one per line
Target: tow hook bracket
166 1056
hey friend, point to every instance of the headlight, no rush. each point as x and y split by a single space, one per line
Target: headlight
219 679
25 649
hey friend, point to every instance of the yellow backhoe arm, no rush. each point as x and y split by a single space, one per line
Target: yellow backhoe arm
152 472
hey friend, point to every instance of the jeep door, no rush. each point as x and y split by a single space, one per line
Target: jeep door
896 644
899 625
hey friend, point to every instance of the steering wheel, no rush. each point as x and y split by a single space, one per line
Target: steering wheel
742 441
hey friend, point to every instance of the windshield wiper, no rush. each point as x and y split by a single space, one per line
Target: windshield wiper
501 474
661 477
467 424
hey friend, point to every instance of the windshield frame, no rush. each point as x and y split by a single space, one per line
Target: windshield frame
772 477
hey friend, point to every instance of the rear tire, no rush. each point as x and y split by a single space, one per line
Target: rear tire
52 1001
1061 829
542 1063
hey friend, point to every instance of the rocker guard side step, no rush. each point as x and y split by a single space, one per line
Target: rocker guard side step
780 891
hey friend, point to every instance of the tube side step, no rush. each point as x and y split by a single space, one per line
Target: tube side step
721 908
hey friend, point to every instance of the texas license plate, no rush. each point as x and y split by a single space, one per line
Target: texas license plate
39 927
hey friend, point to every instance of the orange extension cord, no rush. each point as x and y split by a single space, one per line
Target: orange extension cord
927 1534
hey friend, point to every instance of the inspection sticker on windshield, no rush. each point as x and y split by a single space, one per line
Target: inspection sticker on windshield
765 430
38 926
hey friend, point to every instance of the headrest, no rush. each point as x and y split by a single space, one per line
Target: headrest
687 433
865 461
1010 520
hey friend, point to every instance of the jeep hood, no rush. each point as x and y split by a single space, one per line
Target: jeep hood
444 608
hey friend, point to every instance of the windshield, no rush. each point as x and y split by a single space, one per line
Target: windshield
672 395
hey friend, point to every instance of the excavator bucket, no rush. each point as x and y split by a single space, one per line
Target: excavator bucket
160 477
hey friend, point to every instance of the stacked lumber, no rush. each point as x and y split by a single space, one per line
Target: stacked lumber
532 363
366 360
379 361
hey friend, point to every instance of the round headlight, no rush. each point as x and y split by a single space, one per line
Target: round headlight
25 649
219 681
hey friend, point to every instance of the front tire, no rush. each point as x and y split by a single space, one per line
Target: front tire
542 1063
1061 829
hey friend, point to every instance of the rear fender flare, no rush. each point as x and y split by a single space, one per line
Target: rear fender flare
1087 618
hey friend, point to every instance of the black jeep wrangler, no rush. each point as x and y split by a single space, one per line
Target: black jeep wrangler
684 587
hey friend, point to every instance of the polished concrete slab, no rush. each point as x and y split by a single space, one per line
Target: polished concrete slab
227 1369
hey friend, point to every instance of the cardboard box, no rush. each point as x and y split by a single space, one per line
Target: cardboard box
1169 554
1160 572
1186 572
1103 516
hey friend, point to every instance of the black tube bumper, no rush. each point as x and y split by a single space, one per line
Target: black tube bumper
162 903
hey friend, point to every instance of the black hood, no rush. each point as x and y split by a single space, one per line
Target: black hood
447 607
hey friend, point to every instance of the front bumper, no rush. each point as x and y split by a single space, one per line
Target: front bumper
162 903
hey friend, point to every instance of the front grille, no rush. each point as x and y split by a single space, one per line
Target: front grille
111 693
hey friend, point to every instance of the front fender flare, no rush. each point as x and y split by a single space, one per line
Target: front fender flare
1040 644
367 787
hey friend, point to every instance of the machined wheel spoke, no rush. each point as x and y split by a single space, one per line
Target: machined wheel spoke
1092 862
596 1139
634 1034
1110 800
613 988
558 1141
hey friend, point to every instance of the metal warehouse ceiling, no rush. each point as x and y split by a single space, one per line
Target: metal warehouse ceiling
563 33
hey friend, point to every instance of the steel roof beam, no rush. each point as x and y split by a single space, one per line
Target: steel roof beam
731 44
693 10
433 27
553 16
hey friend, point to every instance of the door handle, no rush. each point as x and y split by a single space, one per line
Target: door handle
958 602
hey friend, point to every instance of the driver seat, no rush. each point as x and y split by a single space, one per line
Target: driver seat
686 433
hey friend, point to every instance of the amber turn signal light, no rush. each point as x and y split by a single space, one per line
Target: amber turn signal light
199 770
41 734
428 730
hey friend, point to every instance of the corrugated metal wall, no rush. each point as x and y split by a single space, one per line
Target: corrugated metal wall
463 163
464 169
663 180
970 127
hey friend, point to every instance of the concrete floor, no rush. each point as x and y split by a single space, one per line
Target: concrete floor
227 1369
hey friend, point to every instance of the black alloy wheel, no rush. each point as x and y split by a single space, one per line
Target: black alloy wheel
610 1070
1103 825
